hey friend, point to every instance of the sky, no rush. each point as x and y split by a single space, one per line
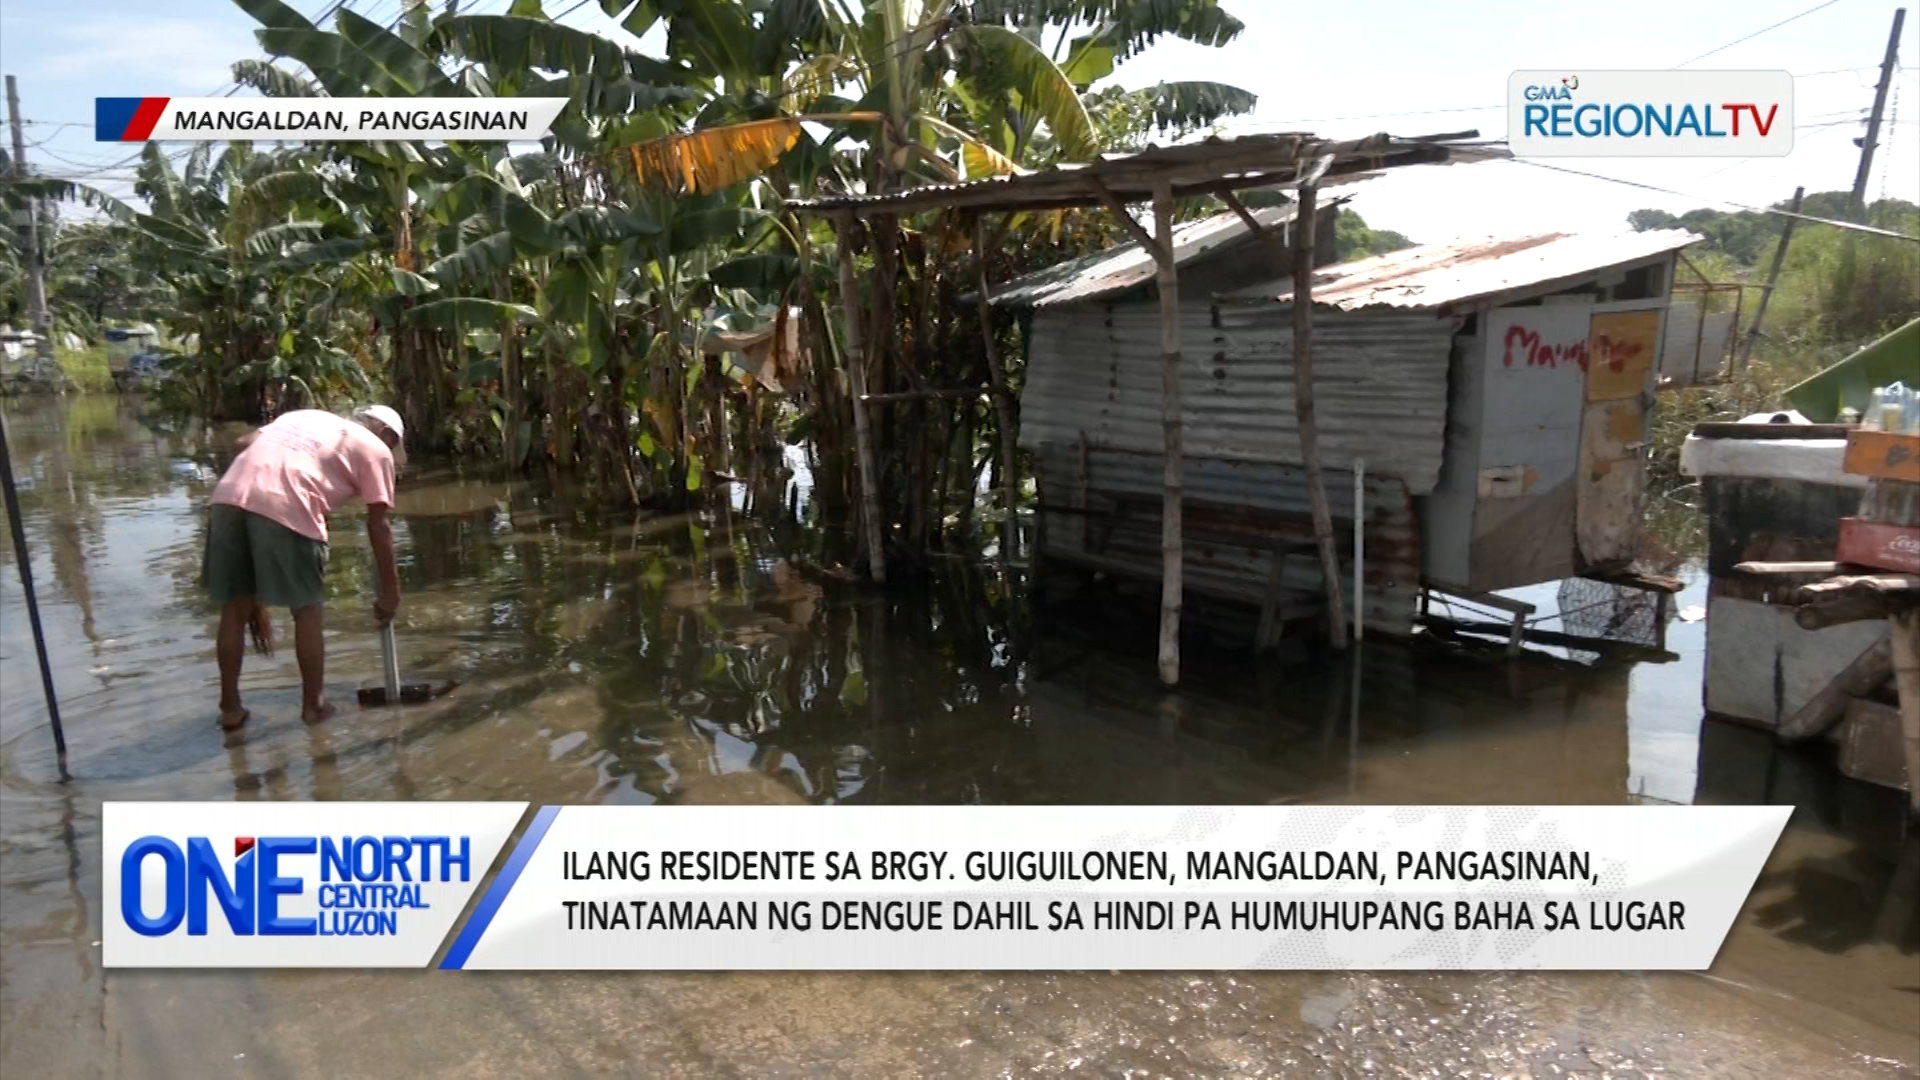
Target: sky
1338 70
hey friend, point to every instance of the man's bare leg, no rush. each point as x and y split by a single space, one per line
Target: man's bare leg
230 647
310 649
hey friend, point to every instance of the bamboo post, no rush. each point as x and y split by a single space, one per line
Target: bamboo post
870 532
1002 404
1171 548
1905 627
1303 408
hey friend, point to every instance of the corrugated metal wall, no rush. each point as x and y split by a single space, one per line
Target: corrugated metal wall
1380 385
1077 494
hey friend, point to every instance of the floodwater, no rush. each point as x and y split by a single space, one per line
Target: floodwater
706 660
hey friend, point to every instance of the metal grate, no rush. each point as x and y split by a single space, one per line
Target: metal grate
1620 613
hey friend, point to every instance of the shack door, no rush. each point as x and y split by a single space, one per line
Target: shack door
1621 349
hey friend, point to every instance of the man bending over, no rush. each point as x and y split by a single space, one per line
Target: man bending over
267 537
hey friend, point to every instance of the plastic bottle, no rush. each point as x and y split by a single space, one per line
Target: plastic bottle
1870 420
1892 407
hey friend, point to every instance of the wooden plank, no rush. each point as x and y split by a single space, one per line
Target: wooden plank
1492 600
1660 583
1905 627
1864 675
1888 455
1840 608
1788 569
1302 305
1160 248
1894 584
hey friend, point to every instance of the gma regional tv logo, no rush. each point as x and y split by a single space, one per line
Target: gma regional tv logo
285 884
1650 113
365 885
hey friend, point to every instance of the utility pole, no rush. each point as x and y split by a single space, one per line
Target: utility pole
1773 277
1857 206
28 225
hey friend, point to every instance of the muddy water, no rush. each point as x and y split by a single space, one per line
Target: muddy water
694 660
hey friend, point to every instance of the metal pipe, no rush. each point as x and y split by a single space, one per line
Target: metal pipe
1359 547
390 663
33 606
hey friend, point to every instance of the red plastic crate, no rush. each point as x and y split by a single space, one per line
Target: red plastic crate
1881 546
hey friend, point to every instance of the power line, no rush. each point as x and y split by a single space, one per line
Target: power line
1757 33
1723 202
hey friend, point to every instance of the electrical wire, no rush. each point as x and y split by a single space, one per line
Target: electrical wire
1537 164
1757 33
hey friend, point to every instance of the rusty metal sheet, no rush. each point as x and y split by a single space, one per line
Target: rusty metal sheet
1222 565
1612 478
1129 266
1380 384
1440 277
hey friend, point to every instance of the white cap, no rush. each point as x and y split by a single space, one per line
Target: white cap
392 422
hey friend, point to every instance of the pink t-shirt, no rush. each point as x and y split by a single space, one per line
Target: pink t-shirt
305 464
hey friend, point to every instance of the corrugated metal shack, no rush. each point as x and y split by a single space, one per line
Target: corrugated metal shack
1497 392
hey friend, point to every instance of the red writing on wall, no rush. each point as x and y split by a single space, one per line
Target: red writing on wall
1615 354
1537 353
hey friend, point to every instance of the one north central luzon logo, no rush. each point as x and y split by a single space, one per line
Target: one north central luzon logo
367 884
1559 111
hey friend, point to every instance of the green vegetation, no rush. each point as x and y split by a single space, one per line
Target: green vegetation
1353 239
1837 292
86 369
561 308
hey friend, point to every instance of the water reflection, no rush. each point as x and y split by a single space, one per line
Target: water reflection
706 658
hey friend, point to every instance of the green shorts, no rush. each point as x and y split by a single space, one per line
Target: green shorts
250 555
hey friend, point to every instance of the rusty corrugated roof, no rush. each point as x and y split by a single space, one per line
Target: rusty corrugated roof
1127 266
1436 276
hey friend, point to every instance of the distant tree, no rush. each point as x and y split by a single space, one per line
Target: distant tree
1748 237
1353 238
1647 220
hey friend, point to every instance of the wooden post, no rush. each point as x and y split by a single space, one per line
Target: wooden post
1002 403
870 531
1172 549
1905 627
1766 294
1303 408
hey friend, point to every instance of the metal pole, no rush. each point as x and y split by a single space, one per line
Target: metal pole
390 664
1857 205
1773 275
28 224
1359 547
26 586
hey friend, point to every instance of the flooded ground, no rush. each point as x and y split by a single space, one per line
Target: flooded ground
682 659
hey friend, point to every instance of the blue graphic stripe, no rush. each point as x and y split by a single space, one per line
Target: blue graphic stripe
502 883
111 115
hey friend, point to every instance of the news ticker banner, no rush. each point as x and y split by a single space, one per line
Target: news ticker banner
220 119
273 885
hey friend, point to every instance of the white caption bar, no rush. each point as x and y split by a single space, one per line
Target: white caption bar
1138 888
